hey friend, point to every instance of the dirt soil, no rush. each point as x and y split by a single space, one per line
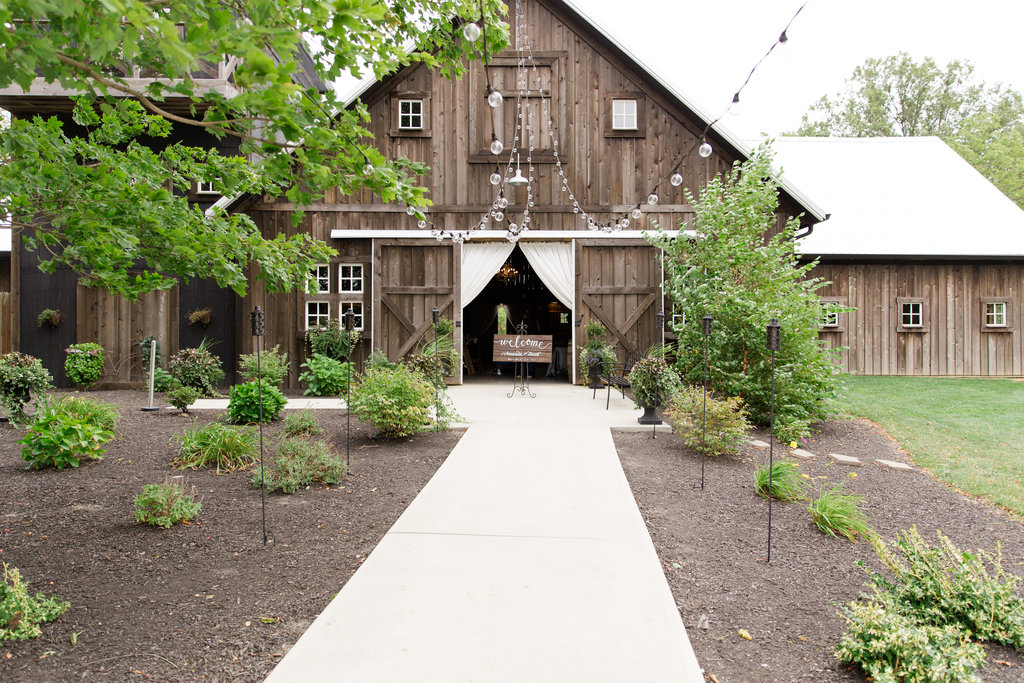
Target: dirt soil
713 545
207 601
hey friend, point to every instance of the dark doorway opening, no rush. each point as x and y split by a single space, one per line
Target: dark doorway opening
527 300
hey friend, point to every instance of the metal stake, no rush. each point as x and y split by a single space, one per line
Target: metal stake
772 343
152 376
435 314
349 317
257 322
706 322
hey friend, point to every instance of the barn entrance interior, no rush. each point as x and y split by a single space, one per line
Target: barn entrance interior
518 290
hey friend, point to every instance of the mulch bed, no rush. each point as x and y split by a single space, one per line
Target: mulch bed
713 545
207 601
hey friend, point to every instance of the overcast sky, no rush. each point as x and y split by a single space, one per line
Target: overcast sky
706 49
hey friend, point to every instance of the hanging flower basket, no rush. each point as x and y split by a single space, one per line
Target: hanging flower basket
49 317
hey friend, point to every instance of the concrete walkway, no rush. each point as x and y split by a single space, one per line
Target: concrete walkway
523 559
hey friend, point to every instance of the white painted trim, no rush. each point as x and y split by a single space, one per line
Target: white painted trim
538 235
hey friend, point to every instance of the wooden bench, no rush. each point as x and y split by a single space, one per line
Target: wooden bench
619 376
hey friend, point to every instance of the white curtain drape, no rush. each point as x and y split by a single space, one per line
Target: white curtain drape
480 261
554 262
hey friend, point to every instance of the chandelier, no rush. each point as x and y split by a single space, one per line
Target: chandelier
507 273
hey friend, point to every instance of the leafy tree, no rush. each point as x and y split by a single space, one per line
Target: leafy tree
896 96
105 191
732 272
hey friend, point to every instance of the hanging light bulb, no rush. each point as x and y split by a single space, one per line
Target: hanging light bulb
624 223
637 213
440 237
471 32
499 215
411 210
513 228
502 201
494 98
705 149
652 199
496 146
495 178
676 179
422 224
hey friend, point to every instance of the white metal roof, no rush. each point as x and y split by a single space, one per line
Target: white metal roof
900 197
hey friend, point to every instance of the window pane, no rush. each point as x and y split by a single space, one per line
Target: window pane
624 115
995 314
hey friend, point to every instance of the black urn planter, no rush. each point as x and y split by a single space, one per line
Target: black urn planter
595 376
650 416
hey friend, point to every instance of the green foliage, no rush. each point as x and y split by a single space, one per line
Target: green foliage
436 357
945 586
163 380
197 368
595 351
166 504
49 317
732 272
301 462
378 360
837 512
302 423
84 363
107 206
21 374
594 329
182 397
893 648
273 365
726 420
200 316
244 406
444 326
652 381
145 346
67 431
331 341
20 612
396 401
219 445
324 376
784 477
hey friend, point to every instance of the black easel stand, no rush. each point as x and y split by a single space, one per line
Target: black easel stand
522 379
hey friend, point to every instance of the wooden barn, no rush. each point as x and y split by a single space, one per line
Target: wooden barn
925 250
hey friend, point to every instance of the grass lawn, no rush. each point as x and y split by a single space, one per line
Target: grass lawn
967 432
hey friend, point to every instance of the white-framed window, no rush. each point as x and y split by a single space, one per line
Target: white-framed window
912 314
995 314
678 320
322 274
829 318
318 313
207 187
350 277
357 309
410 114
624 115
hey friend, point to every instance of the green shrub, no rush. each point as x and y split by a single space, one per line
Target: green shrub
163 380
837 512
786 483
893 648
244 406
67 431
218 445
332 341
396 401
20 613
197 368
726 420
302 422
273 366
378 360
594 351
166 504
324 376
301 462
84 363
20 375
436 357
49 317
945 586
652 381
182 397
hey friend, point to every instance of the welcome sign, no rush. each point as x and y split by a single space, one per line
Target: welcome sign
522 348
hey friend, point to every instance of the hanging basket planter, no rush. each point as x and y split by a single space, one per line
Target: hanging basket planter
201 317
50 317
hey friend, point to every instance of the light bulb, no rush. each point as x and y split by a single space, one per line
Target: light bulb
471 32
513 228
502 201
495 178
512 238
705 149
495 99
368 169
624 223
637 213
410 210
499 216
676 179
440 237
652 199
496 146
422 224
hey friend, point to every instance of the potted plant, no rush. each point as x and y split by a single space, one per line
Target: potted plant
49 317
20 375
652 381
201 317
596 356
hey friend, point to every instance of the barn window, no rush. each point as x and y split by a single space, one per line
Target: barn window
912 314
996 314
350 278
318 314
410 114
206 187
624 115
321 273
831 317
357 308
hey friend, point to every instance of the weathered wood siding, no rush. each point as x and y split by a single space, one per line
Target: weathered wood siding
954 341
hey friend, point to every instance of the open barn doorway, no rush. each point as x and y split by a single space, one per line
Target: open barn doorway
515 295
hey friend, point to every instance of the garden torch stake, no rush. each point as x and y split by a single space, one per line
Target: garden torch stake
706 331
772 344
258 324
349 322
660 318
436 316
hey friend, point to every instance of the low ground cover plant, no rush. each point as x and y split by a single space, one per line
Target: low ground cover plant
302 423
301 462
396 401
244 405
84 363
324 376
21 613
272 366
197 368
837 512
786 482
182 397
166 504
20 375
217 445
726 426
68 431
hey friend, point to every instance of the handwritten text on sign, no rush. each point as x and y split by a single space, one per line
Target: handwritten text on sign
512 348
